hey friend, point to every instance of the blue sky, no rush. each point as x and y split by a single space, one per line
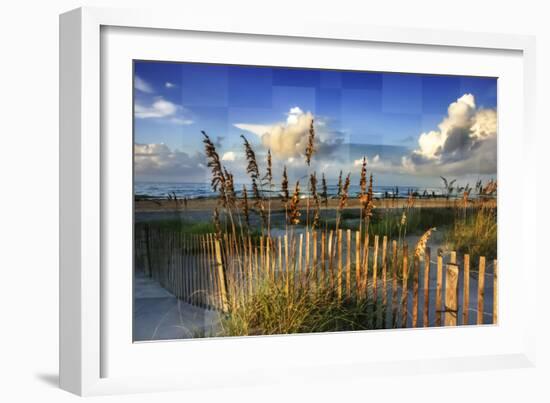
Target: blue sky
356 113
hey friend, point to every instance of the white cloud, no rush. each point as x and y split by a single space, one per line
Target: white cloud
142 85
158 109
465 142
289 139
168 84
229 156
293 115
160 161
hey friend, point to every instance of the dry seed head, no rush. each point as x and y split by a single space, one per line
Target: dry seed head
252 167
420 248
294 212
363 180
344 196
229 188
403 218
310 149
284 187
268 171
218 177
244 207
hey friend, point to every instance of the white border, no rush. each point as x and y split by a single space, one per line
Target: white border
80 314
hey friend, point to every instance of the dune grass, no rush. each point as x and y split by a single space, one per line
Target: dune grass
273 309
475 232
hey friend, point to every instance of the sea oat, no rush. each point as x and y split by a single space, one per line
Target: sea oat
284 187
244 206
294 212
229 188
268 178
254 172
403 218
344 195
313 187
324 191
218 178
490 188
310 149
420 248
370 198
252 167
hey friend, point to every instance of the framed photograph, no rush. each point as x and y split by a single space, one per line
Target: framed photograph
282 198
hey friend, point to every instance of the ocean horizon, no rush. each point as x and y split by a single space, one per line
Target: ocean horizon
193 190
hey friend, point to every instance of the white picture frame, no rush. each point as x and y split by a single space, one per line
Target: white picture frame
92 349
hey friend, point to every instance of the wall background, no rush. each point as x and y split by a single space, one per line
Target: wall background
29 194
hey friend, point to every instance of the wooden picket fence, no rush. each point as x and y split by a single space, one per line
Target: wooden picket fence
209 272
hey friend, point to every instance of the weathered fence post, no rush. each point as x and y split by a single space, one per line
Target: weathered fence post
405 286
451 295
427 265
339 276
466 291
416 269
394 283
495 292
480 290
221 276
438 290
357 264
348 264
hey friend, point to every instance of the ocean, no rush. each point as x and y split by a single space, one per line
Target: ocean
162 190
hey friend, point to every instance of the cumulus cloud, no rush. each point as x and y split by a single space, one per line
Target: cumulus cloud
168 84
154 161
465 142
288 140
142 85
229 156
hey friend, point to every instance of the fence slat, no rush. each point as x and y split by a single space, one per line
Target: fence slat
307 254
287 271
466 291
221 276
300 258
339 277
357 263
322 279
394 284
405 286
438 290
348 264
481 290
365 266
416 269
278 271
427 264
314 247
495 292
330 254
384 270
451 295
